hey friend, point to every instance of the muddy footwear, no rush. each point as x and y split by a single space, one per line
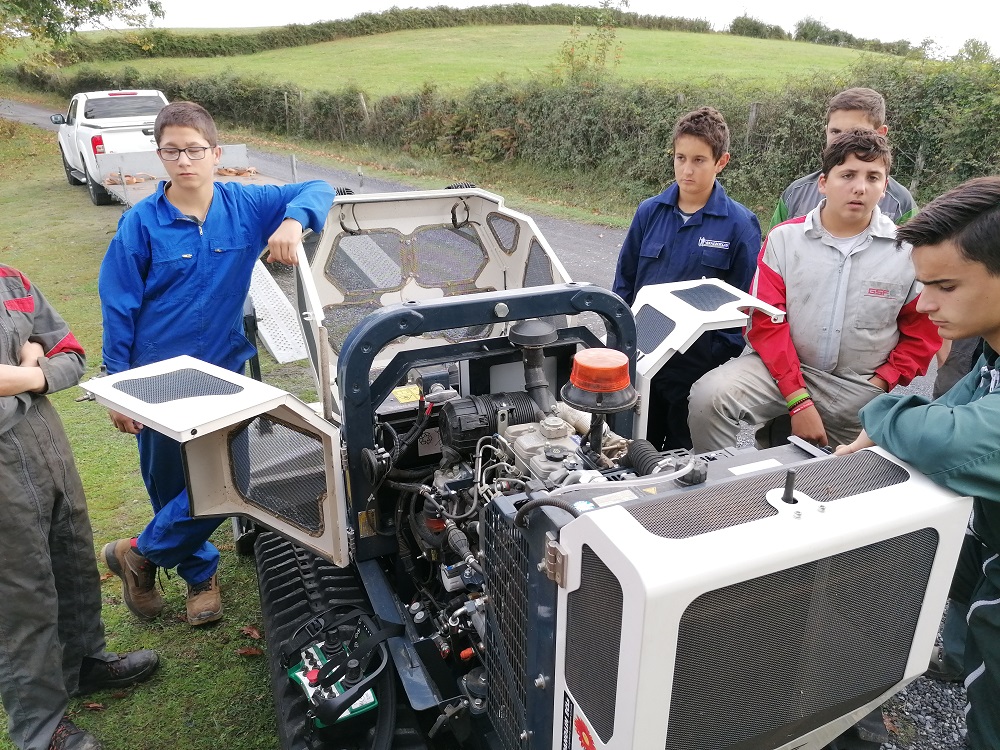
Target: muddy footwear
941 669
68 736
204 602
138 578
120 671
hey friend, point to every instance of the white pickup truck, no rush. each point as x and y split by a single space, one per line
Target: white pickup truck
98 123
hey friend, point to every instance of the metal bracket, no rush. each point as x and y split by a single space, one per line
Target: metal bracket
555 560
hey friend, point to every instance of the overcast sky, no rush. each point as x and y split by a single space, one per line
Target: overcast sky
947 23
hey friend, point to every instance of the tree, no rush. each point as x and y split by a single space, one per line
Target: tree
974 51
50 22
588 57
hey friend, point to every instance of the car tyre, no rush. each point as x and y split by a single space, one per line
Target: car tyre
74 181
98 195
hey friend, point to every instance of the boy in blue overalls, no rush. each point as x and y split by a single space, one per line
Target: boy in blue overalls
173 282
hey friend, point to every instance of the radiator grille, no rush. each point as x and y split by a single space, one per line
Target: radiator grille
506 568
680 516
171 386
281 470
766 660
593 642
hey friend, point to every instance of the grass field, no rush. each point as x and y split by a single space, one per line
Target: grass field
458 58
206 695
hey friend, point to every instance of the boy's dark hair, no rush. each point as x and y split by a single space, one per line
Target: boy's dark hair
187 115
865 144
868 101
968 215
708 124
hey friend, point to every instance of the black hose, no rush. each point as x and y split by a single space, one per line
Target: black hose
385 724
410 475
524 510
642 456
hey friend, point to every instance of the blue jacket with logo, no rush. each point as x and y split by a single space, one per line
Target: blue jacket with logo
720 241
171 286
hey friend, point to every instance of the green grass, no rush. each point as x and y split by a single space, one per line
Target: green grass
458 58
205 696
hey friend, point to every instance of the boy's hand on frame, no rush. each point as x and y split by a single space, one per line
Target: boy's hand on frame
283 243
123 423
808 425
860 442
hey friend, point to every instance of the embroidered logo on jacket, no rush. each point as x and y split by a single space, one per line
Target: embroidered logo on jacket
874 291
718 244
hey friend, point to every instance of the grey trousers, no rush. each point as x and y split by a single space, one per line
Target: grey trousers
50 588
742 390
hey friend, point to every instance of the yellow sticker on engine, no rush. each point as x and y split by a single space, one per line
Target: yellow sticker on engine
406 394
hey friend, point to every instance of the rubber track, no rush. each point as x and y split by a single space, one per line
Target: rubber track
296 585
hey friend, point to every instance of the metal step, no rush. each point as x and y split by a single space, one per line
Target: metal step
277 323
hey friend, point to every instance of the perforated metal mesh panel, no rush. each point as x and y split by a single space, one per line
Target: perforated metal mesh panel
171 386
506 569
448 256
652 327
505 231
767 660
593 642
705 297
367 266
281 470
741 501
339 320
364 262
538 272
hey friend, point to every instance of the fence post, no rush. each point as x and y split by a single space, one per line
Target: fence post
918 167
364 107
751 125
285 95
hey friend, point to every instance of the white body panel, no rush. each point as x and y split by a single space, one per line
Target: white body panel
661 577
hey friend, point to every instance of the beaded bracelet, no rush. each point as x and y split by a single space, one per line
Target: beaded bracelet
800 406
798 399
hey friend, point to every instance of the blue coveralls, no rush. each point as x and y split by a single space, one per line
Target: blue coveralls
721 241
171 285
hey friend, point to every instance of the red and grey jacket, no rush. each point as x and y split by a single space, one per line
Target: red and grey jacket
27 316
854 312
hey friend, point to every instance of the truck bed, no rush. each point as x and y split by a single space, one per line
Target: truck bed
147 167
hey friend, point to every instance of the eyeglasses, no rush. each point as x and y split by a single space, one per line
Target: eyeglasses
193 152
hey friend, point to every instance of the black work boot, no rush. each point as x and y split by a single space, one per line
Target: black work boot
138 578
121 671
68 736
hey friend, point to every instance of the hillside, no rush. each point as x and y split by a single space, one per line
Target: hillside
454 59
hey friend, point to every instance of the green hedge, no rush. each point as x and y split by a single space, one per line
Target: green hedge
160 43
944 120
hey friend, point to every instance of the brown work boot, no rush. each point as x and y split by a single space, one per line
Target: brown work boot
138 578
204 602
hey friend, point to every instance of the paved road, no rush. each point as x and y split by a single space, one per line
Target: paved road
587 251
